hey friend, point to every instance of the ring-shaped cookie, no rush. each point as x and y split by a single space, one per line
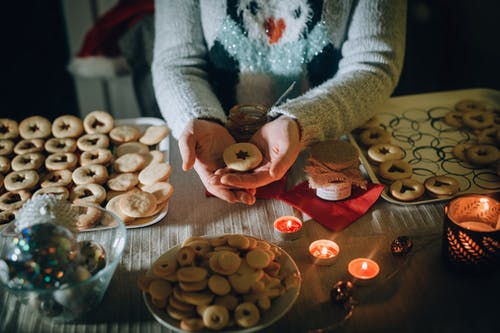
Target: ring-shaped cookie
407 189
60 192
467 105
21 180
67 126
242 156
394 170
374 135
215 317
98 122
35 127
4 164
454 119
441 186
90 173
478 119
124 133
459 150
57 178
382 152
9 128
482 154
28 161
88 193
6 147
14 200
246 315
60 145
29 146
61 161
92 141
96 156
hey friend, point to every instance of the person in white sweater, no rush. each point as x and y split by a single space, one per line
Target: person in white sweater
345 56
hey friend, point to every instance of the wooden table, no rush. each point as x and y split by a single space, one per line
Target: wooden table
413 294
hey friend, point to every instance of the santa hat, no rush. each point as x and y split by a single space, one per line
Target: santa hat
100 55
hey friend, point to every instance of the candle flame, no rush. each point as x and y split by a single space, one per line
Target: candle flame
289 224
364 266
324 250
485 203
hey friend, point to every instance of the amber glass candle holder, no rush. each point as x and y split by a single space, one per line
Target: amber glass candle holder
471 235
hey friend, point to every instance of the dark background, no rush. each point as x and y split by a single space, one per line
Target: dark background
451 44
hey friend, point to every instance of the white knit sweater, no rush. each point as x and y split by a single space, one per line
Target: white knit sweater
369 35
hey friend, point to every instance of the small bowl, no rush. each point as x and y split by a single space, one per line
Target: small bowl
71 300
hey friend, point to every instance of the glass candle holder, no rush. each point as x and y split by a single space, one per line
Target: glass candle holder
288 228
245 119
471 235
324 252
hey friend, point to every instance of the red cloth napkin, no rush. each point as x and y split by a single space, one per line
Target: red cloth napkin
334 215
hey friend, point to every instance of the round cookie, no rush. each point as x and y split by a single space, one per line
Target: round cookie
131 147
60 192
459 150
161 190
96 156
374 135
124 133
28 161
98 122
407 189
90 173
192 324
154 134
35 127
454 119
215 317
383 152
242 156
57 178
258 258
219 285
88 193
185 256
394 170
130 162
6 147
467 105
4 164
87 216
7 216
246 315
138 204
21 180
154 173
67 126
9 128
113 205
123 182
60 145
61 161
14 200
92 141
478 119
29 146
441 186
482 154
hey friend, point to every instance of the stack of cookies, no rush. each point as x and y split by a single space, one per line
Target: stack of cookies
89 161
219 282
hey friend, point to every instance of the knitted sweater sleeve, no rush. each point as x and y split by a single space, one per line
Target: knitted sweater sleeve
179 65
372 59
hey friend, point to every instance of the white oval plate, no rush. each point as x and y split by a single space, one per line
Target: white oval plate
279 306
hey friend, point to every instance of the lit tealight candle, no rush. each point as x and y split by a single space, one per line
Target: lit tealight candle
288 227
324 252
363 269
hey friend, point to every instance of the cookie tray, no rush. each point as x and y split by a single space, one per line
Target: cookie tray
416 123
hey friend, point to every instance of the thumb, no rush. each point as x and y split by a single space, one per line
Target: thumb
187 148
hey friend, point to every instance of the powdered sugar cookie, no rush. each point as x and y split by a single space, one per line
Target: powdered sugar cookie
98 122
154 134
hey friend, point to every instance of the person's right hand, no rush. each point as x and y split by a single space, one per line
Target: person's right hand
201 145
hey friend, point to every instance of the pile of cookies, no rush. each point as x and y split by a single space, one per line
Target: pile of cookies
219 282
483 122
89 161
391 168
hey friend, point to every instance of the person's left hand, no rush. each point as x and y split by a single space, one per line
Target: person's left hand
278 141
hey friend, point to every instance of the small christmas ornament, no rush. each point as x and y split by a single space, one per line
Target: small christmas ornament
341 294
401 246
41 256
47 208
92 256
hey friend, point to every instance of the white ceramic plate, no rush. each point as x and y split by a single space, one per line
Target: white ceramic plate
279 306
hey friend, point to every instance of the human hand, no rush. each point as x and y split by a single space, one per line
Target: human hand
201 145
278 141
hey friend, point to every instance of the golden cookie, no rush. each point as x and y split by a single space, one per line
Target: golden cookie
154 134
35 127
215 317
154 156
67 126
21 180
482 154
185 256
7 216
29 146
28 161
467 105
98 122
154 173
96 156
161 190
6 147
60 145
131 147
219 285
246 315
407 189
454 119
9 129
60 192
382 152
124 133
61 161
394 170
138 204
13 200
90 173
243 156
441 186
459 150
191 274
113 205
57 178
92 141
130 162
258 258
123 182
4 164
478 119
164 266
88 193
192 324
374 135
238 241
